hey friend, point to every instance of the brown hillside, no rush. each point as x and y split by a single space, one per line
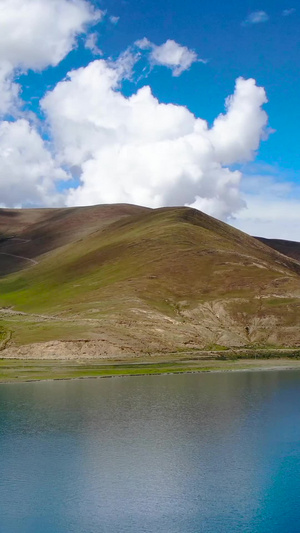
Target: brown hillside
289 248
29 233
121 279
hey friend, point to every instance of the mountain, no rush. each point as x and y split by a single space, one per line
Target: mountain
289 248
122 279
30 233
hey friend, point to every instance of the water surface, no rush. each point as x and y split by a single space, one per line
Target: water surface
211 453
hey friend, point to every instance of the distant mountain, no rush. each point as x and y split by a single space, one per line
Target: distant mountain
289 248
115 279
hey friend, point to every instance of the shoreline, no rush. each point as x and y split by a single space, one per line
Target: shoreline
80 372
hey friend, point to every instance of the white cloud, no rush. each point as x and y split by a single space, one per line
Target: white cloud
256 17
236 135
144 44
124 64
38 33
170 54
114 20
35 34
91 44
28 173
288 12
130 149
140 151
9 91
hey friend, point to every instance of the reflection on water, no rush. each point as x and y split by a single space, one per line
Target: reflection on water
169 454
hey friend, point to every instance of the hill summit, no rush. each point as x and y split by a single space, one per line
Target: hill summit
117 279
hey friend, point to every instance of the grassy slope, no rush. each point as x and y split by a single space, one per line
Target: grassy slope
289 248
33 232
163 279
16 370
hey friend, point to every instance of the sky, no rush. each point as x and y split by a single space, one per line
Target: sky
153 103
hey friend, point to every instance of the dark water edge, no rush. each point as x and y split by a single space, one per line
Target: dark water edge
213 452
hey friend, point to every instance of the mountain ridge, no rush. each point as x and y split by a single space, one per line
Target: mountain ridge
284 246
126 279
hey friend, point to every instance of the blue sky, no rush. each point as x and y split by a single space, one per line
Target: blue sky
258 40
268 51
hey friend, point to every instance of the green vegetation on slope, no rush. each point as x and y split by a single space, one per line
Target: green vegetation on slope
22 371
173 276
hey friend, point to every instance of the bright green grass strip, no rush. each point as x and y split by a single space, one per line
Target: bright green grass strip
20 371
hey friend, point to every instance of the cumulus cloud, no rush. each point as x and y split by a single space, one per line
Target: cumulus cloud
28 173
35 34
170 54
138 150
256 17
38 33
174 56
9 91
122 149
236 135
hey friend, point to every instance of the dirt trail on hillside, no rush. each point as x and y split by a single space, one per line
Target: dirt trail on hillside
7 311
20 257
24 258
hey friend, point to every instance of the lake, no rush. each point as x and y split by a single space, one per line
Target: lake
190 453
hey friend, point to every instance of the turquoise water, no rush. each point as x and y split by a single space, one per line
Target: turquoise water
166 454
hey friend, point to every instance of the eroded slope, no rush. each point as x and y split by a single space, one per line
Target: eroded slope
161 280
